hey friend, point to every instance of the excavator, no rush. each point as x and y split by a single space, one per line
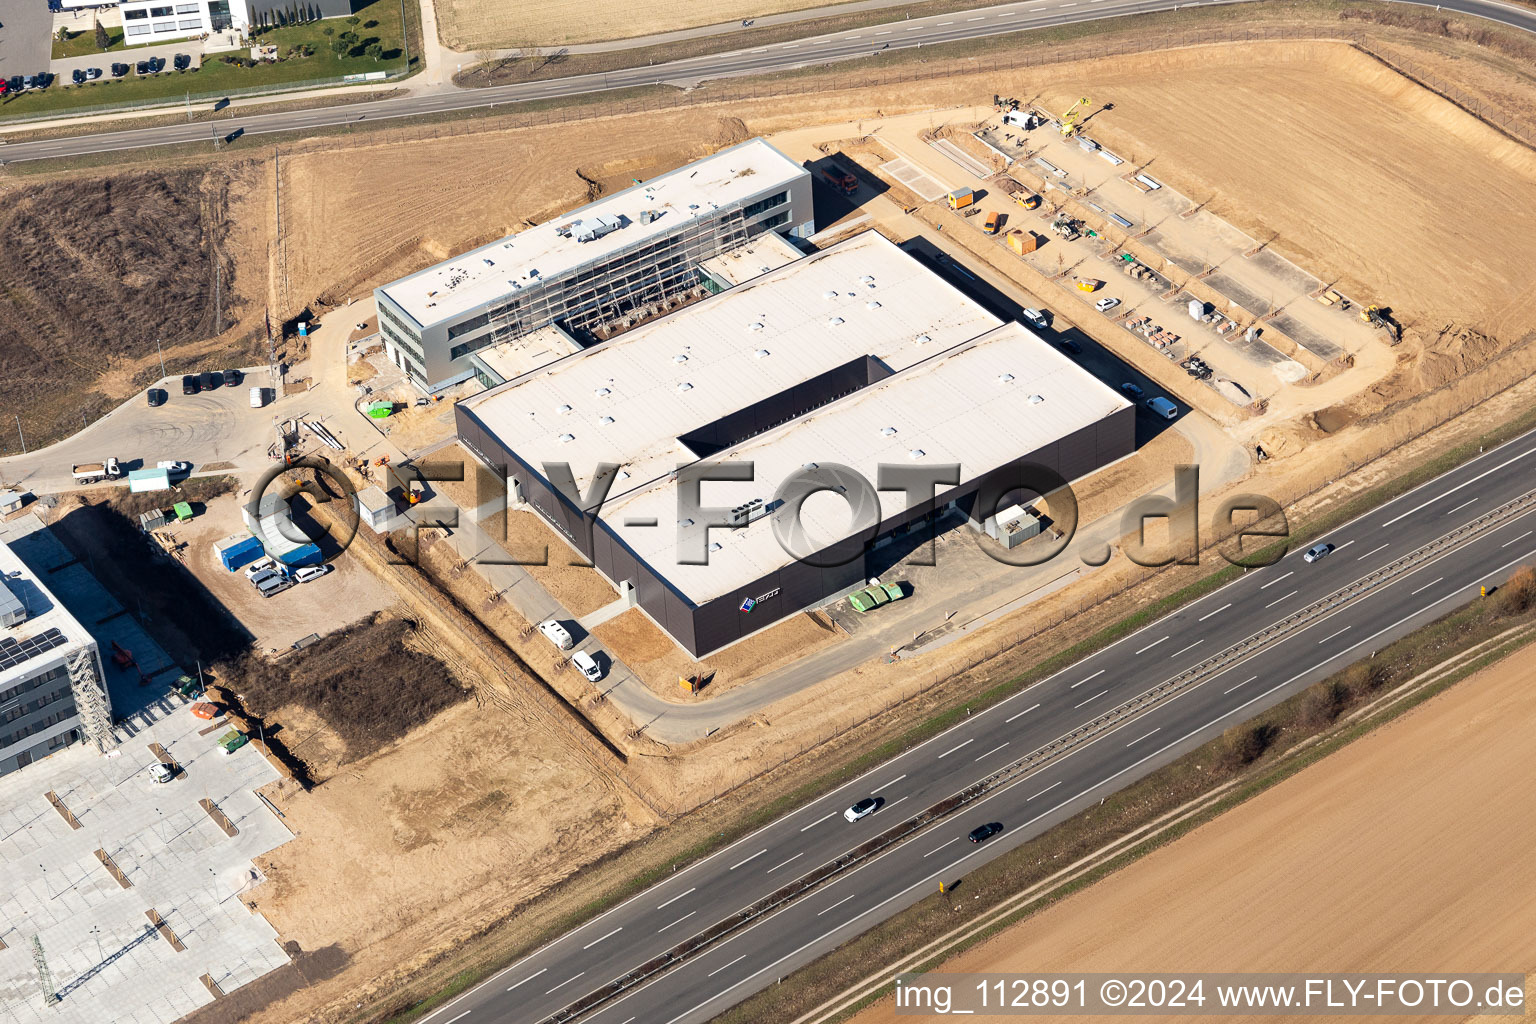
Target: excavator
1069 125
1382 319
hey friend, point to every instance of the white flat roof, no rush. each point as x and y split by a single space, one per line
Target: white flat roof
971 405
517 356
450 288
44 612
767 252
623 401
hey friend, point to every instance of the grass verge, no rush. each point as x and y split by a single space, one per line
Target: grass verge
82 43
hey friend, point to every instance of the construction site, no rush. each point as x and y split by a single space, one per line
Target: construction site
1315 319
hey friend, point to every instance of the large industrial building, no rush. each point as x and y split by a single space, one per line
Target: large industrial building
579 274
51 684
857 357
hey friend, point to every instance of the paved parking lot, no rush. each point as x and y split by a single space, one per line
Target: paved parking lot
24 42
191 47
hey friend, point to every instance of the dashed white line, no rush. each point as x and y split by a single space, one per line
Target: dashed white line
530 977
1090 699
1524 535
893 803
1080 682
608 936
461 1016
1426 586
951 750
943 23
674 899
994 750
1021 714
1151 645
893 782
1191 647
1138 739
783 862
564 983
941 846
1369 553
1330 636
839 903
1277 579
1285 598
1347 543
717 970
818 821
1463 505
885 33
756 855
1046 790
982 18
1224 607
678 921
1240 685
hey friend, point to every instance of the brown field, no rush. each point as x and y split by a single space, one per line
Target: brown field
1367 179
477 24
1403 851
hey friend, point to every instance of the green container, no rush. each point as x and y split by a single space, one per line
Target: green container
379 410
233 741
183 511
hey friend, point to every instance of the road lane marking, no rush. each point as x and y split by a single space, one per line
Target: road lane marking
941 846
1347 543
1330 636
1191 647
1224 607
1466 483
717 970
674 899
839 903
982 18
1080 682
943 23
1093 698
1278 579
1425 587
678 921
951 750
1138 739
1524 535
1463 505
893 782
1285 598
1371 552
1046 790
1240 685
466 1013
564 983
994 750
819 820
1021 714
530 977
608 936
756 855
895 802
885 33
783 862
1151 645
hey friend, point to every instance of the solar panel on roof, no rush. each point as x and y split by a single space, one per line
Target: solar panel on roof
14 652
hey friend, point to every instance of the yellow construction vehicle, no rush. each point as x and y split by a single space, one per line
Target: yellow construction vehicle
1069 125
1382 320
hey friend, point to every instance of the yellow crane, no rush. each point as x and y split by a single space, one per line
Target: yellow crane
1069 124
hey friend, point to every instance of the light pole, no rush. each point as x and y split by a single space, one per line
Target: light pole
161 354
21 435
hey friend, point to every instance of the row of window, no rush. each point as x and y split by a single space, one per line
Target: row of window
753 209
403 341
777 220
31 684
27 707
38 726
388 314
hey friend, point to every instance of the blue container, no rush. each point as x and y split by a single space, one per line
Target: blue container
244 553
303 554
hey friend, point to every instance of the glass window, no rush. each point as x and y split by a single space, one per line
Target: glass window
136 15
138 30
165 26
160 12
188 9
192 23
753 209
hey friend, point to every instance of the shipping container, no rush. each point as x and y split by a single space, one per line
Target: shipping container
1023 242
960 198
239 550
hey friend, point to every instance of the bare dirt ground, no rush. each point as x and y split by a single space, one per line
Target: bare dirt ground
1293 880
475 24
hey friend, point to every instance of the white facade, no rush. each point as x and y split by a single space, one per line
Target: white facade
157 21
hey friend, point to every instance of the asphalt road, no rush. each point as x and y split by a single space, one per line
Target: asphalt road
983 21
616 943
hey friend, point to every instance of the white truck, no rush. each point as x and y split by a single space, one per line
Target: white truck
92 471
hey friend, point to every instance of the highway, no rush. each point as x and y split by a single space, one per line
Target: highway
984 21
622 939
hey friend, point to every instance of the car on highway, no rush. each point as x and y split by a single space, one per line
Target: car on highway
190 384
119 69
557 634
1036 318
1132 389
1317 551
311 572
156 397
1069 346
863 809
587 666
181 61
982 833
1106 304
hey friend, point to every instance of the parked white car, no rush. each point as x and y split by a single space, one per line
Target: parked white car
557 634
1106 304
587 666
175 466
311 572
260 566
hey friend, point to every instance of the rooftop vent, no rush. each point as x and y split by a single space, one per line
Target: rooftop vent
834 321
872 304
685 523
679 358
754 326
761 353
810 466
1035 399
714 545
829 295
606 420
685 386
1006 378
602 392
889 431
923 339
567 438
916 453
623 475
563 410
866 279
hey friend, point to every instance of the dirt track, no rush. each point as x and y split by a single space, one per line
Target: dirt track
1408 850
465 24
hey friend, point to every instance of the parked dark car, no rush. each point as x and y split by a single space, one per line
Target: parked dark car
232 378
156 397
45 79
141 68
211 379
13 84
1069 346
77 76
157 64
984 832
181 61
119 70
190 384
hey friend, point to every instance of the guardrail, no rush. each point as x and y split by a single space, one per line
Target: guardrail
1038 758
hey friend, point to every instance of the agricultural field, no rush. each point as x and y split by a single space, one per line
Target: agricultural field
480 24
